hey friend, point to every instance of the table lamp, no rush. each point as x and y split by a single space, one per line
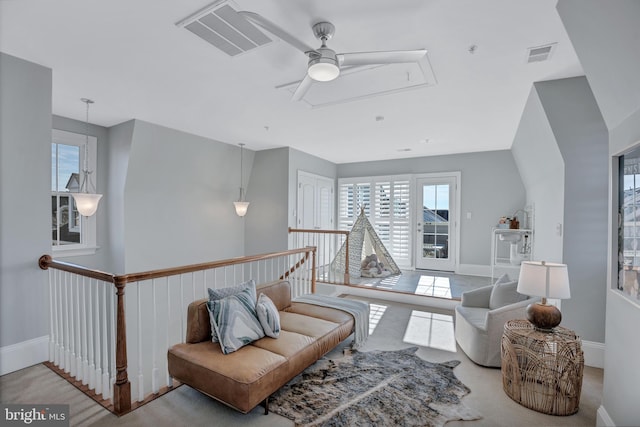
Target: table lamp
546 280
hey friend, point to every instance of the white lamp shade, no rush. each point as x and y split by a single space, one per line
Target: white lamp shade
241 208
87 203
544 279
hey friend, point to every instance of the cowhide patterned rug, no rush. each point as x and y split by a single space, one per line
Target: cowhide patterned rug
377 388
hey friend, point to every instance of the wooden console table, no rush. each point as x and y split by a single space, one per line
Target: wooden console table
542 371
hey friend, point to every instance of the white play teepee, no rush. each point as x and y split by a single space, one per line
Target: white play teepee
363 242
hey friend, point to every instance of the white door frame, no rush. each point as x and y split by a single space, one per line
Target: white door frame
454 220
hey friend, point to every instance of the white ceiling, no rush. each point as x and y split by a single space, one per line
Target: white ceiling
131 58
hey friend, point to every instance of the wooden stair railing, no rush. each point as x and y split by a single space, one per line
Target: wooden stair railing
122 387
326 249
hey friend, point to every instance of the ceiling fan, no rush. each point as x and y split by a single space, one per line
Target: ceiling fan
324 63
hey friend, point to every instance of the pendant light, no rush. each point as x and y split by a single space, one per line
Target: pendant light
241 205
86 202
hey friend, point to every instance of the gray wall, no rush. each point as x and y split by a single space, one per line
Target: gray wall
491 187
266 221
100 260
562 129
605 35
25 199
178 199
535 145
120 138
582 138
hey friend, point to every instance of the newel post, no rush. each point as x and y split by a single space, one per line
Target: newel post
122 387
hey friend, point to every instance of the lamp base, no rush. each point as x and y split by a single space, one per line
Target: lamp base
543 316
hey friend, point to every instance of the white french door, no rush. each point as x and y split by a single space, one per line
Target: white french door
436 222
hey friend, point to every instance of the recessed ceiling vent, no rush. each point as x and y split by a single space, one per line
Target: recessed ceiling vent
540 53
221 25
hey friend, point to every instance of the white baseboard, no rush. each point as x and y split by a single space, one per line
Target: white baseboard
603 419
593 354
24 354
474 270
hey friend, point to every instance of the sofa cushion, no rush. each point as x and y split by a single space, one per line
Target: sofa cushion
268 316
235 321
217 294
504 294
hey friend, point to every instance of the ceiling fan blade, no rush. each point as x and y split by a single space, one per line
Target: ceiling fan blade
276 31
388 57
302 88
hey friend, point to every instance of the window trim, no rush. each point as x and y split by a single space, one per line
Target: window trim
88 244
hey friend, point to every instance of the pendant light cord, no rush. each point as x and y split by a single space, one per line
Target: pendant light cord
86 173
241 169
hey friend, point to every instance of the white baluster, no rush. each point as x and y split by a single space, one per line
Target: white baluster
154 340
51 315
56 295
193 286
85 334
78 324
91 335
67 341
139 339
112 313
106 381
98 339
182 309
204 283
71 314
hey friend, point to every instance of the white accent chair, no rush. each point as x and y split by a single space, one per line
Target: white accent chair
480 319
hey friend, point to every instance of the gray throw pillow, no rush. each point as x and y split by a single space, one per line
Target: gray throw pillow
235 321
217 294
504 294
268 316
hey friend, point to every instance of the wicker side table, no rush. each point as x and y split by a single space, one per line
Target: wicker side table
542 371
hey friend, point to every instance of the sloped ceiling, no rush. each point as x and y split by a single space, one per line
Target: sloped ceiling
131 58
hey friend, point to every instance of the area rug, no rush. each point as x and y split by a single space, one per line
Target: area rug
376 388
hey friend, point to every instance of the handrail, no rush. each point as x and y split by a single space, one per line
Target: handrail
122 386
46 261
318 231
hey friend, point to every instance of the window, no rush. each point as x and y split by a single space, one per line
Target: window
386 202
71 234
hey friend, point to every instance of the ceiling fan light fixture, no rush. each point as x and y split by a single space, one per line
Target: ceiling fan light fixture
324 67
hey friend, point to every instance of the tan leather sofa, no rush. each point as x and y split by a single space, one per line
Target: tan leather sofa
247 377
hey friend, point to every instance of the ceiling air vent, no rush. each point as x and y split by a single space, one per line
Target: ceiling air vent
222 26
540 53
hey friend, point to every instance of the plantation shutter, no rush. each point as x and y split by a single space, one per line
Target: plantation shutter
387 204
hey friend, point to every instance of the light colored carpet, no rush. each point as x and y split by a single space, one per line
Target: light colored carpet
394 325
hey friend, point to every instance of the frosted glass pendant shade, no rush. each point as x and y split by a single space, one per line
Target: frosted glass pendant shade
241 208
87 203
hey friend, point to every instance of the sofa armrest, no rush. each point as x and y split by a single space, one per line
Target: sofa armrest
477 297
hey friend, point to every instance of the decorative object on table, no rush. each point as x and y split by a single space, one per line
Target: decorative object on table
86 201
542 370
546 280
241 205
374 388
